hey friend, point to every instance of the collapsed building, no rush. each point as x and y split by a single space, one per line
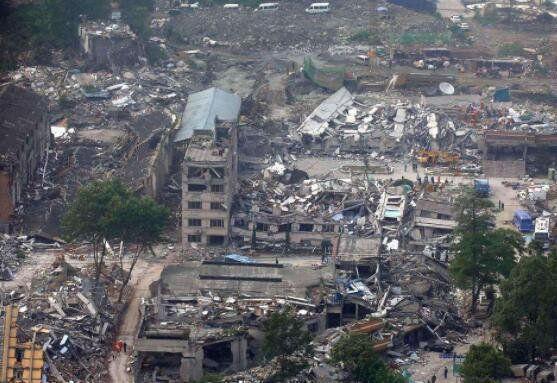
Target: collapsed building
24 144
302 215
146 153
205 316
111 46
515 153
210 166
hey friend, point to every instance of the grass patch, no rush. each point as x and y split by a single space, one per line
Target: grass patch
425 38
365 36
511 49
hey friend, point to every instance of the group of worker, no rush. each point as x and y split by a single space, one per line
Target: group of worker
118 346
434 377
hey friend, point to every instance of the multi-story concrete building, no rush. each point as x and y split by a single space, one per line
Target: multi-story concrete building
24 140
210 166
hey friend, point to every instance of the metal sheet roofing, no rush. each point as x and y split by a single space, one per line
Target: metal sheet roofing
203 108
318 121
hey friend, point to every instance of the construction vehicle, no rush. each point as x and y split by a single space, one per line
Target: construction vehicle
436 157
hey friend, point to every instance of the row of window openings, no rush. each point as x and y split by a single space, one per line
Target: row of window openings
211 239
196 205
196 172
196 222
201 187
288 227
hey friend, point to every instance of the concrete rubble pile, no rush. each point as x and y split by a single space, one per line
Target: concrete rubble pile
75 331
286 196
104 123
14 250
341 126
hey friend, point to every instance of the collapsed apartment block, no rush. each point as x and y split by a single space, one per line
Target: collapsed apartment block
205 316
303 214
110 46
146 153
210 166
433 221
24 142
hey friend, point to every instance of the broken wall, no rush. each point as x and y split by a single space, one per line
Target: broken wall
159 166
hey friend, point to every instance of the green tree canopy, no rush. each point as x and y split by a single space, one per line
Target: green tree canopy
485 364
355 353
108 210
526 313
92 215
137 13
473 213
481 255
284 334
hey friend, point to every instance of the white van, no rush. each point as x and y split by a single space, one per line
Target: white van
318 8
268 7
231 6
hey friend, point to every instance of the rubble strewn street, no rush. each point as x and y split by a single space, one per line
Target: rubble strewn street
175 175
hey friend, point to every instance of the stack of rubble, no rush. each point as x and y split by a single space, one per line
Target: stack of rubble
340 125
12 253
73 318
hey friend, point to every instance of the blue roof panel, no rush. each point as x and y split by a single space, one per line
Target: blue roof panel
203 108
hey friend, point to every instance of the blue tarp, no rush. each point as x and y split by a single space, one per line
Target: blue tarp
502 95
238 258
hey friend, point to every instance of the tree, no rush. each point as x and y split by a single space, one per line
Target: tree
525 315
92 217
140 221
285 335
484 363
137 13
355 353
107 210
482 255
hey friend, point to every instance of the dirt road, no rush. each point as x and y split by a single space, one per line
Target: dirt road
431 363
145 273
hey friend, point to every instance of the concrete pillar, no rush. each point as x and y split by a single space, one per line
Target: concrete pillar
191 366
239 349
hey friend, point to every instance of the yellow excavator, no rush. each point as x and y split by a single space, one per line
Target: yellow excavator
436 157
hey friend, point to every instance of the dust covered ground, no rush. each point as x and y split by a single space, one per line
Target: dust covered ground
289 27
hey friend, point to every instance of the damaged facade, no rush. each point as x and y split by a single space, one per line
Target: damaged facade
210 166
110 46
205 316
24 141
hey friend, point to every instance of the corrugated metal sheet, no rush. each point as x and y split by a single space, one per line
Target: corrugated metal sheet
318 121
203 108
